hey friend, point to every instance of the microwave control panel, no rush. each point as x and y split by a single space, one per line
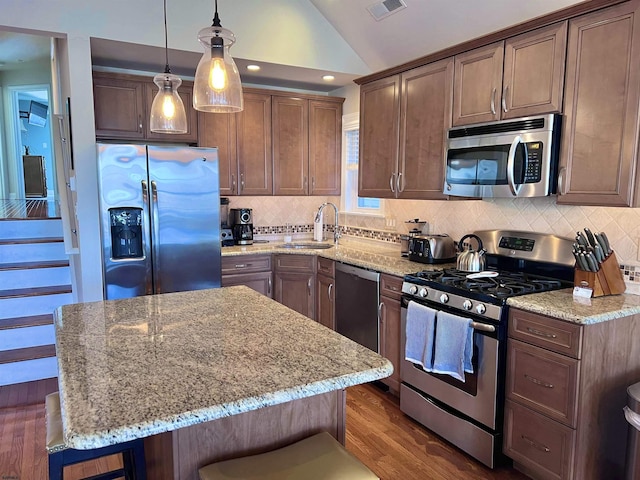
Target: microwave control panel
533 173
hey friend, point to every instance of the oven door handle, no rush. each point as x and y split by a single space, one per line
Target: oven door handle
483 327
511 165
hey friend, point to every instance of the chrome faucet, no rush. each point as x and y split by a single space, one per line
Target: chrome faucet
336 228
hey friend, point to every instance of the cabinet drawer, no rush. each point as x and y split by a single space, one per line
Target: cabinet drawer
549 333
246 264
543 381
326 267
391 286
293 263
542 445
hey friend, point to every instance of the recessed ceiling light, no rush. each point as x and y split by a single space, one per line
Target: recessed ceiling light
328 78
253 68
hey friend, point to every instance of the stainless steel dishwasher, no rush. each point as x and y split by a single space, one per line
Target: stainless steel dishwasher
357 305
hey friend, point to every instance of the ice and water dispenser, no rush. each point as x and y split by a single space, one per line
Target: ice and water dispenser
126 233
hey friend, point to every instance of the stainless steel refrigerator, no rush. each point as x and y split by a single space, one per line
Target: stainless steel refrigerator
160 214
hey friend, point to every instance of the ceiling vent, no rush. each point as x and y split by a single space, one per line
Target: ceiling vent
384 9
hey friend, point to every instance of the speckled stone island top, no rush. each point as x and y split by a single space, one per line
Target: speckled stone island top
141 366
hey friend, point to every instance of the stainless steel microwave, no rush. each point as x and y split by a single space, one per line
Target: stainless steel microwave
509 158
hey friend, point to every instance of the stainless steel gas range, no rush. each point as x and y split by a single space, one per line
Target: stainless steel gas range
469 413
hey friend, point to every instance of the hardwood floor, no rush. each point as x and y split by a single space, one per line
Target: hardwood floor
388 442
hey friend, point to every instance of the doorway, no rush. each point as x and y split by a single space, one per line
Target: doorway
32 173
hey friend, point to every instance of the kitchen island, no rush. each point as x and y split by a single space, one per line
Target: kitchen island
202 376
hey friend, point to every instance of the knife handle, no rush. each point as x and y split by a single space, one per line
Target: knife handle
591 260
592 241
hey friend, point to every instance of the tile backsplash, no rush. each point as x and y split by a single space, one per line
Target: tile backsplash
459 217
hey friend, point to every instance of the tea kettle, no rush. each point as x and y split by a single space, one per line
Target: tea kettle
469 260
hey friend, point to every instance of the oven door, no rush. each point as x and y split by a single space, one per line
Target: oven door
477 396
500 166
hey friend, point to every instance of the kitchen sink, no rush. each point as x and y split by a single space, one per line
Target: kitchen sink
306 245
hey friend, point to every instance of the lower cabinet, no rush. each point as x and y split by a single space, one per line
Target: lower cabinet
325 293
294 278
254 271
389 313
565 391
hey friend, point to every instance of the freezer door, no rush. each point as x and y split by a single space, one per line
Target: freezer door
124 210
185 218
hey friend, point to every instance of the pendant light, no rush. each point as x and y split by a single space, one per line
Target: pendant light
217 86
167 110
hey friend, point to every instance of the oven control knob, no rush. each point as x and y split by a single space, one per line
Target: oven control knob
413 289
444 298
467 305
423 292
481 309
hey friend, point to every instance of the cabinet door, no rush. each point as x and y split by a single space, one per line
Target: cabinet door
255 164
600 133
389 309
379 127
260 282
296 291
118 108
534 72
290 117
478 85
325 147
186 94
325 301
219 130
426 116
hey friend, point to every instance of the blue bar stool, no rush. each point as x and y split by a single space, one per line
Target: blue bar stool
60 455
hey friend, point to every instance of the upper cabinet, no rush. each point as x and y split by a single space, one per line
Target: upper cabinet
325 146
219 130
518 77
403 122
122 104
600 133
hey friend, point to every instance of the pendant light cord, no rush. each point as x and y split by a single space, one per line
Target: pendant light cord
166 44
216 18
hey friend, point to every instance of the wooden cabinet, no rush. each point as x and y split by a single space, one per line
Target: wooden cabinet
254 271
122 106
389 311
255 161
519 77
325 293
403 122
219 130
294 278
565 389
602 95
306 145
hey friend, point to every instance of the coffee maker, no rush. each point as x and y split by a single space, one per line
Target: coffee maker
242 226
226 234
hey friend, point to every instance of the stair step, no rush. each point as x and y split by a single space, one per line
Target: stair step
31 228
32 265
22 241
35 292
30 321
39 305
28 370
30 353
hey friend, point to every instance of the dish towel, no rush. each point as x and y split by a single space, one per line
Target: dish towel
419 331
453 345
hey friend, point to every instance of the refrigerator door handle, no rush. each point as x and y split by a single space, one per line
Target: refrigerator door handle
156 234
148 285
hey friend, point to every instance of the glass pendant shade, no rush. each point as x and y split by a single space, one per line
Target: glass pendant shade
217 87
167 110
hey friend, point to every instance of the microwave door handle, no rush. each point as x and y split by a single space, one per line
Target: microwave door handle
511 165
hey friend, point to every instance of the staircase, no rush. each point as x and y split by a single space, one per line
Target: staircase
35 279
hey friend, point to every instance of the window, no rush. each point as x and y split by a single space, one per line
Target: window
350 147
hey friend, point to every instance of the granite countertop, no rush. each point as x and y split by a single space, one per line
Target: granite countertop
383 261
561 304
146 365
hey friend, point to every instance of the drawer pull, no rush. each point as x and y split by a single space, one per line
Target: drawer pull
540 333
538 382
243 265
542 448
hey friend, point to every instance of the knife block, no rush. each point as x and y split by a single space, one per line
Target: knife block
606 281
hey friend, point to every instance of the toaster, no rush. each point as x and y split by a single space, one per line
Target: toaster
432 249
